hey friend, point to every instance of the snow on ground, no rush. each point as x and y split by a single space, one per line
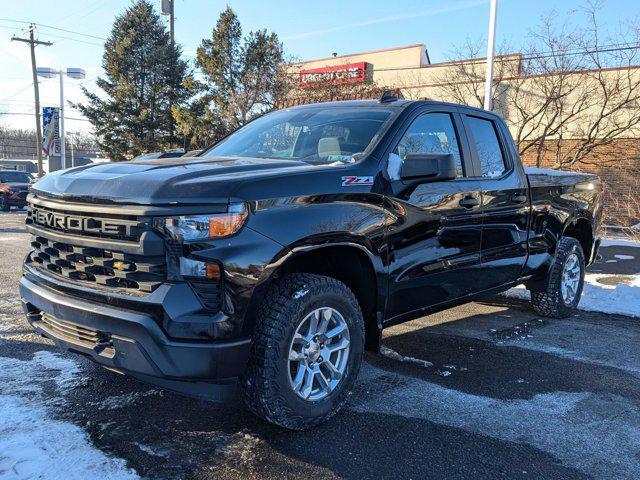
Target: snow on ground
604 292
123 401
623 298
612 242
32 443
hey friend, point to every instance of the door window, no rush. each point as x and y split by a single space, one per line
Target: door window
431 133
487 145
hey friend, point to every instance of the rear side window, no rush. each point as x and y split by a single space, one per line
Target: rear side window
431 133
484 135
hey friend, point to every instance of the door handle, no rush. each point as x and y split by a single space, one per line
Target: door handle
519 198
470 202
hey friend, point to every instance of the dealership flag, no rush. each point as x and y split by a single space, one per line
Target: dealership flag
51 131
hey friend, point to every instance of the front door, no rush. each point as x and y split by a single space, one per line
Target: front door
434 243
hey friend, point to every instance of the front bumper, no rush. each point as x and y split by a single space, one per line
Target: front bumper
131 342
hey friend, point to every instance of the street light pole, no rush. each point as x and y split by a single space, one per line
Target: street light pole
488 103
76 73
63 157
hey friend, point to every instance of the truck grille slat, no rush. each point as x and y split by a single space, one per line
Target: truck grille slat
209 293
67 330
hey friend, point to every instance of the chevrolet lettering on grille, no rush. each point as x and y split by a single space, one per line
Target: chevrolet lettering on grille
81 224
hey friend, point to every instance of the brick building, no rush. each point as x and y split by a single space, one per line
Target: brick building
408 71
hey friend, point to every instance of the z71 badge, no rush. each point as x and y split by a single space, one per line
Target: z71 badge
354 181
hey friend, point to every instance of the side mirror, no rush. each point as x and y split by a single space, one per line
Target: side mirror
427 167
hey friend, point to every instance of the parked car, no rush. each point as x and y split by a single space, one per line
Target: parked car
276 257
14 186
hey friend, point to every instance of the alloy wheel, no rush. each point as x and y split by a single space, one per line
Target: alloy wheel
319 354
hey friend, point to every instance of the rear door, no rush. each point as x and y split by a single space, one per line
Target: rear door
434 245
505 201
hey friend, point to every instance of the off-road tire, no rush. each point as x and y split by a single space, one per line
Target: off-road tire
4 204
548 301
265 386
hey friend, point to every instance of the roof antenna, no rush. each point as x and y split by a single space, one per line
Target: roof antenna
389 96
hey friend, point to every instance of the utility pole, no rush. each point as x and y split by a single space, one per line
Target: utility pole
32 43
167 9
171 2
488 104
171 16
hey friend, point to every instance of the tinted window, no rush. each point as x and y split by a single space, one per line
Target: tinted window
431 133
313 135
488 147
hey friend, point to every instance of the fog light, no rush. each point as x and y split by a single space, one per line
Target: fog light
196 268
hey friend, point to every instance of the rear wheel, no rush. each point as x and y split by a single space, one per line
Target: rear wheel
563 288
4 203
307 351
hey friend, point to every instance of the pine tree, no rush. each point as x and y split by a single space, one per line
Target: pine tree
242 78
132 114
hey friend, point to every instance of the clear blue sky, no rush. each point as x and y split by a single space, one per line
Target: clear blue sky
308 30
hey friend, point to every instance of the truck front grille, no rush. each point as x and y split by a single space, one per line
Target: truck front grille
99 266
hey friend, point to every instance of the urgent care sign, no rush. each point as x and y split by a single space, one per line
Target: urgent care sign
336 75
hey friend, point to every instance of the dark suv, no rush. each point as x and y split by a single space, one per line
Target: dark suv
14 187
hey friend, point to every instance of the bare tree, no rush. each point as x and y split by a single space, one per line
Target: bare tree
567 96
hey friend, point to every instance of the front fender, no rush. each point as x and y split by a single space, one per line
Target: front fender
303 225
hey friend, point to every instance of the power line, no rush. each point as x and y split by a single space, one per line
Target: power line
75 40
52 27
86 9
543 55
31 113
17 93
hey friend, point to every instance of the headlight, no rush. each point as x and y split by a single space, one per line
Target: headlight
206 227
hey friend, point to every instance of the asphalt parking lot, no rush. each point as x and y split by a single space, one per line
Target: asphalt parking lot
483 391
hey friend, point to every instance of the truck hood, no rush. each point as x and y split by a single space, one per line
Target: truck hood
163 181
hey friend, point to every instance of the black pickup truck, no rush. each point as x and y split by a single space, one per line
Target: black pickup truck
274 258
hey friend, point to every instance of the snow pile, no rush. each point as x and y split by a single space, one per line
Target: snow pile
623 298
34 445
388 352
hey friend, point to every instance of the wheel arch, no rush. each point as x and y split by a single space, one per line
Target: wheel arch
350 262
581 229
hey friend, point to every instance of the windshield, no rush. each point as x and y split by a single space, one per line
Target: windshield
314 135
15 177
148 156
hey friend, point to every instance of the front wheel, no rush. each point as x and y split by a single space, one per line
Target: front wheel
307 350
563 289
4 203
